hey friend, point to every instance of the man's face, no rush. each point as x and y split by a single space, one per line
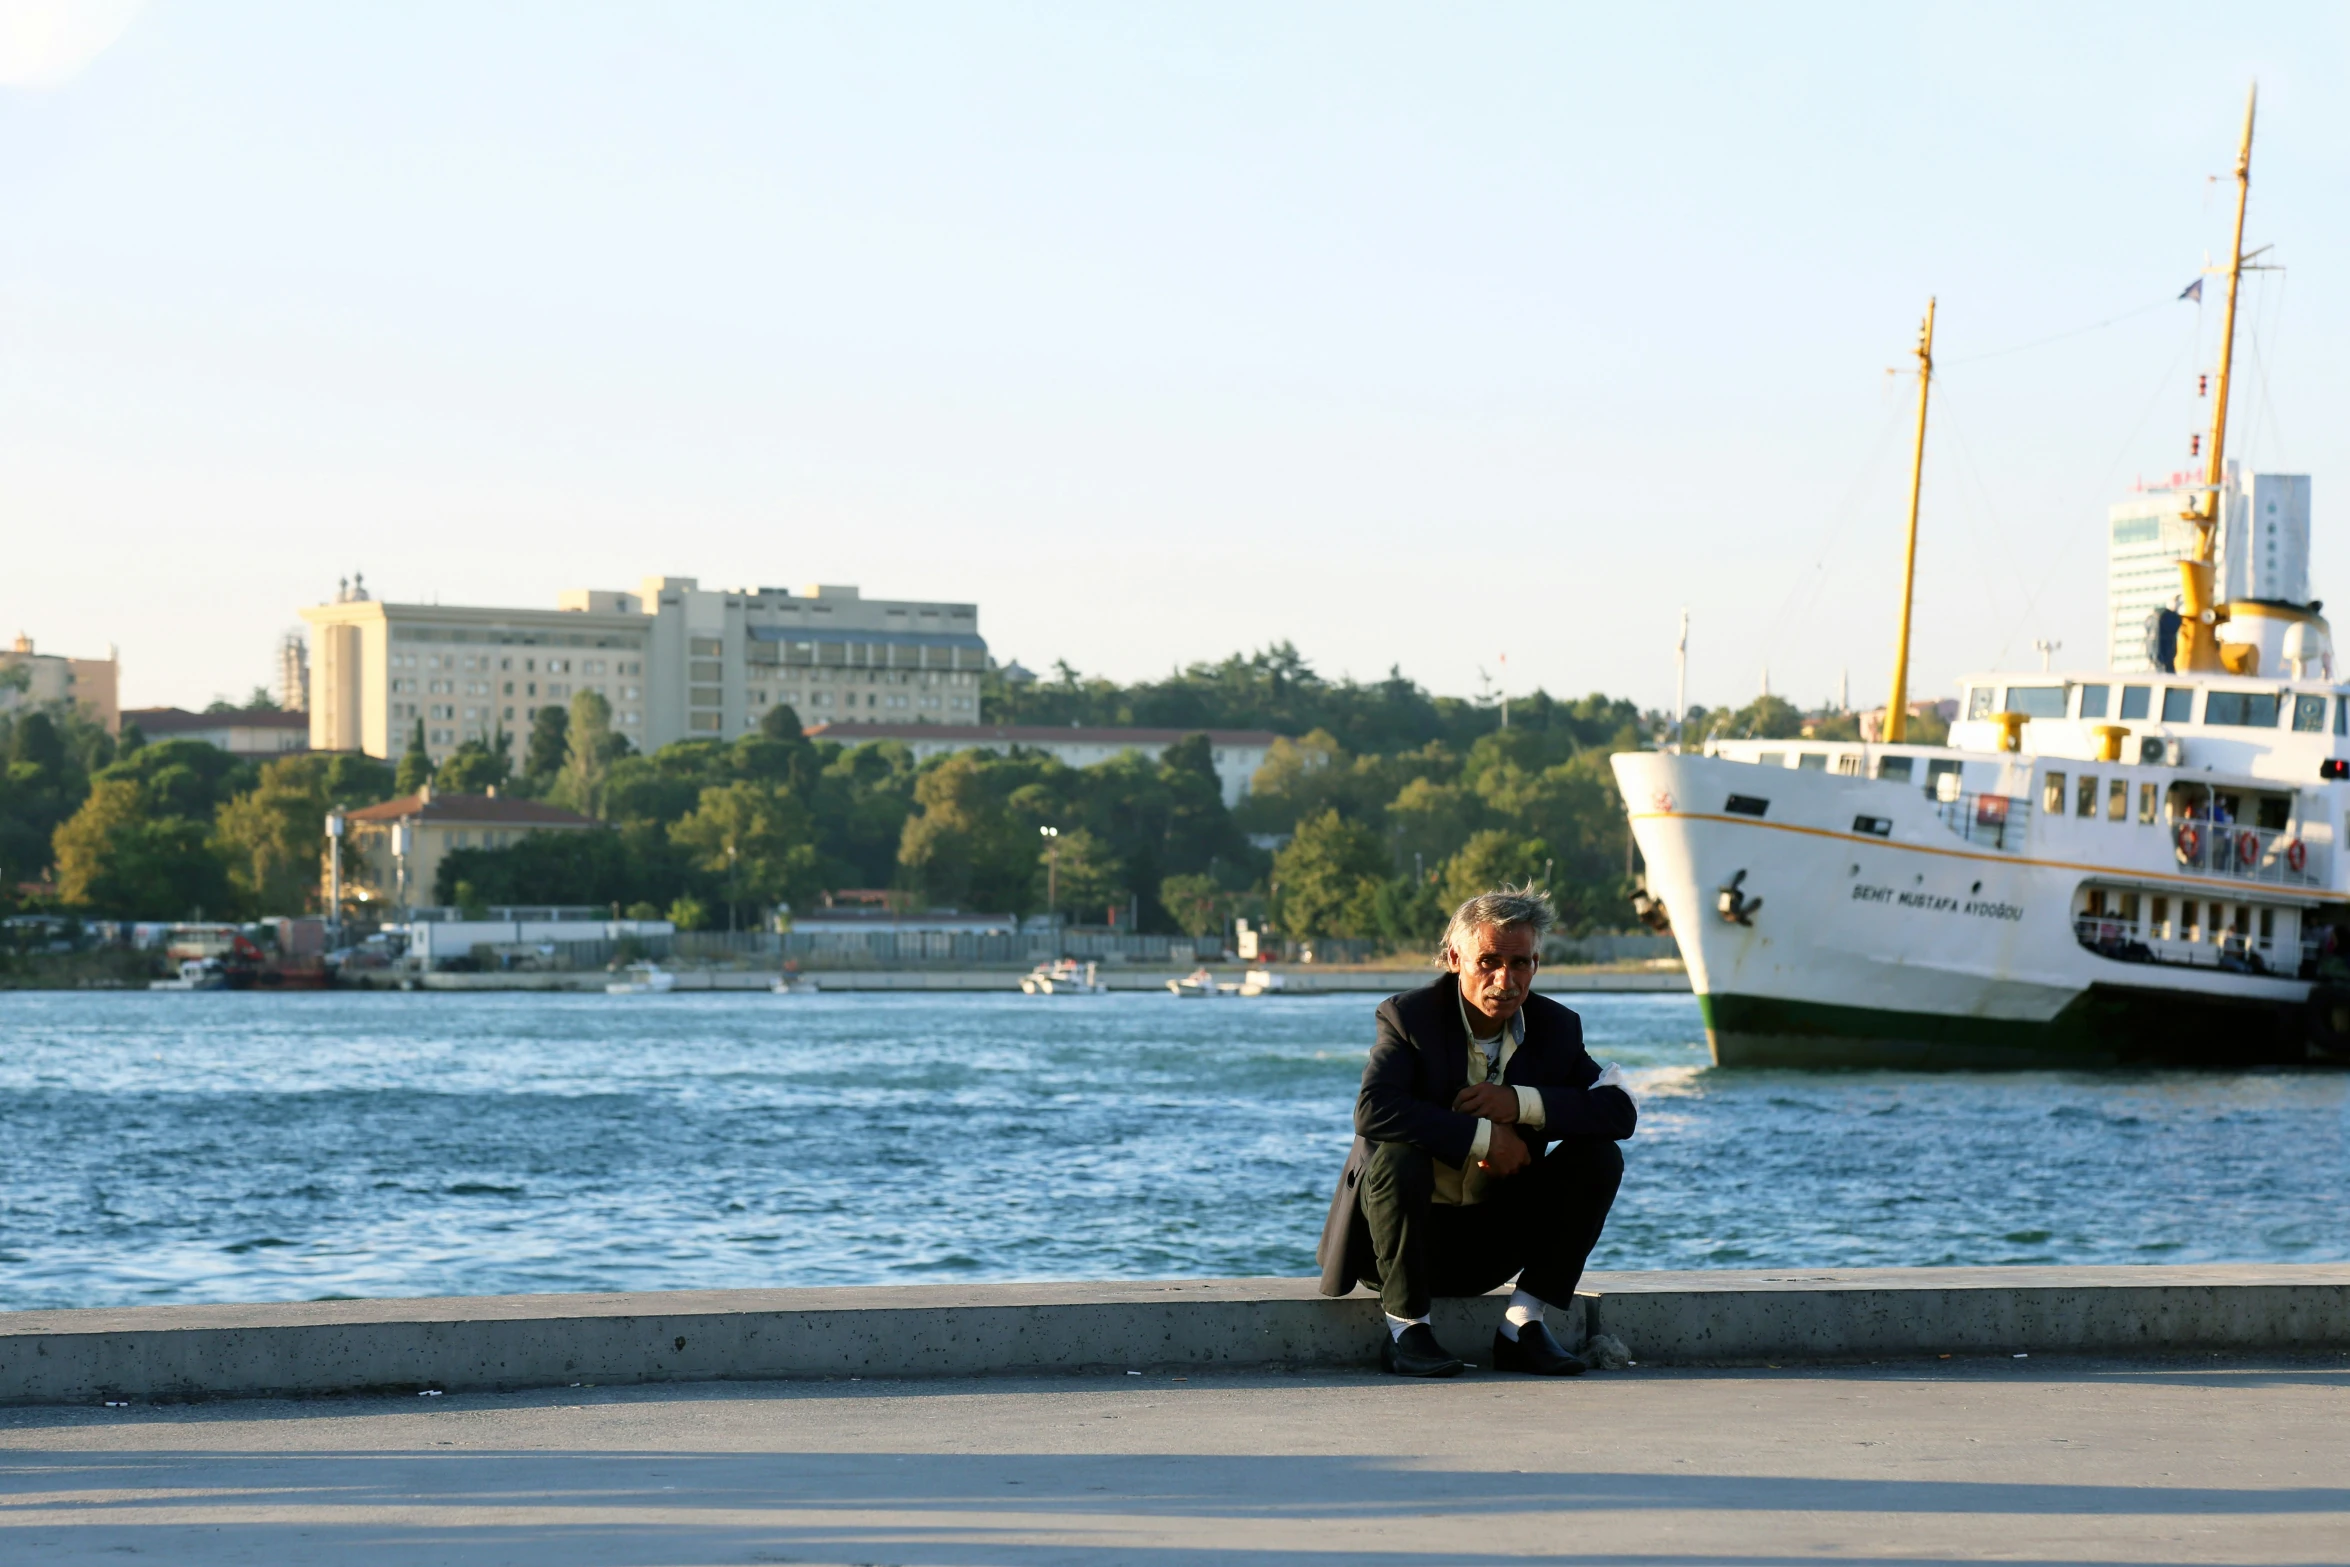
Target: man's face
1496 970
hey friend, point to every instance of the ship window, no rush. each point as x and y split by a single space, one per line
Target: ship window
2268 926
1936 771
2178 704
2086 796
2134 701
1848 763
1813 761
1770 758
2241 709
2342 715
1895 767
2036 701
2145 802
1978 701
2096 901
2052 795
2309 715
2093 701
2117 800
1745 805
2274 813
2158 916
2129 908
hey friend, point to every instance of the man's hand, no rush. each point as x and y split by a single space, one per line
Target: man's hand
1488 1101
1505 1152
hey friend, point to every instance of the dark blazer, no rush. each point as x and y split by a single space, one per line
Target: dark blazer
1419 1063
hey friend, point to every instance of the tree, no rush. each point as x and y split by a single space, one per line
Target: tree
544 751
415 764
272 837
1329 875
1491 860
1081 873
1766 718
688 913
781 722
40 787
973 843
118 857
755 838
590 751
1196 903
474 768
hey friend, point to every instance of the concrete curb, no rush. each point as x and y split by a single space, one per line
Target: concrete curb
516 1341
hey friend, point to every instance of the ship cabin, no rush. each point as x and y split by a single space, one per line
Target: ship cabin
2207 814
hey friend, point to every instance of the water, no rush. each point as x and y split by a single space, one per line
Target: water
238 1147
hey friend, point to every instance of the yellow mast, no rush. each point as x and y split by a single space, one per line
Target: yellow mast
1897 710
2199 629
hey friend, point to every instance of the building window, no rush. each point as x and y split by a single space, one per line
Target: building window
705 647
703 723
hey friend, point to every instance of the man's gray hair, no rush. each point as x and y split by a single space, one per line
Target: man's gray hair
1528 905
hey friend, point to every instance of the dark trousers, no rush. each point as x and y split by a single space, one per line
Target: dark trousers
1540 1224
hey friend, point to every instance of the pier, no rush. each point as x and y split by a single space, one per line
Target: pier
2077 1415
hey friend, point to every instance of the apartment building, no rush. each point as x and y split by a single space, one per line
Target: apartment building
92 684
2261 552
675 661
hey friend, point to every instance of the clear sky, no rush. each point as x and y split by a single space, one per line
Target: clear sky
1416 335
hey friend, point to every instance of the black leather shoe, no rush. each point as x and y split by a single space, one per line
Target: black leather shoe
1417 1354
1534 1351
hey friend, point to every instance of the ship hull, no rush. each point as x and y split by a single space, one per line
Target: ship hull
1911 949
2106 1026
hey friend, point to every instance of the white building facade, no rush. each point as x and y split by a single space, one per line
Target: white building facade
2262 551
674 660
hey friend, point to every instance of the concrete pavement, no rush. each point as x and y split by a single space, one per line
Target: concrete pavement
2032 1460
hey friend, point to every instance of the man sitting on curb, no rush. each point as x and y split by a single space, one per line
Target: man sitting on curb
1485 1147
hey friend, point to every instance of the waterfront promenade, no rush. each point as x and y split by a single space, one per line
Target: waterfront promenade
2068 1460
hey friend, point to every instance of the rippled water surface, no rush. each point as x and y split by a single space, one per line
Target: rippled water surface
243 1147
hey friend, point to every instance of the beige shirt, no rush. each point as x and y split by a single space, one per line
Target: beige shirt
1458 1185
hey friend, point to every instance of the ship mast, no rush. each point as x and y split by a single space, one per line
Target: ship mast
1897 710
2199 631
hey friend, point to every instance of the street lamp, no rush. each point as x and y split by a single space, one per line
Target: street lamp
1052 868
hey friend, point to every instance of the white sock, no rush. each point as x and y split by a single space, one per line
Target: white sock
1524 1309
1396 1325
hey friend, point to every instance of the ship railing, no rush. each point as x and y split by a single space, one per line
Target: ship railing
1997 820
2123 941
2270 857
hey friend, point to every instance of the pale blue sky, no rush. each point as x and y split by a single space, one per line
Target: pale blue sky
1413 334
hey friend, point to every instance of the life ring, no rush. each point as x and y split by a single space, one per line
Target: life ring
2190 838
2296 856
2247 847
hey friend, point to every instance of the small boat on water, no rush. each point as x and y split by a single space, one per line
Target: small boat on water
195 974
1262 982
1062 977
643 979
1201 983
794 985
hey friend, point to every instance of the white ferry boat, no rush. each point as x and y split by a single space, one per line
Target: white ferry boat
2097 868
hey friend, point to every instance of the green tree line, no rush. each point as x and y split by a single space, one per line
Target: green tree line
1387 807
